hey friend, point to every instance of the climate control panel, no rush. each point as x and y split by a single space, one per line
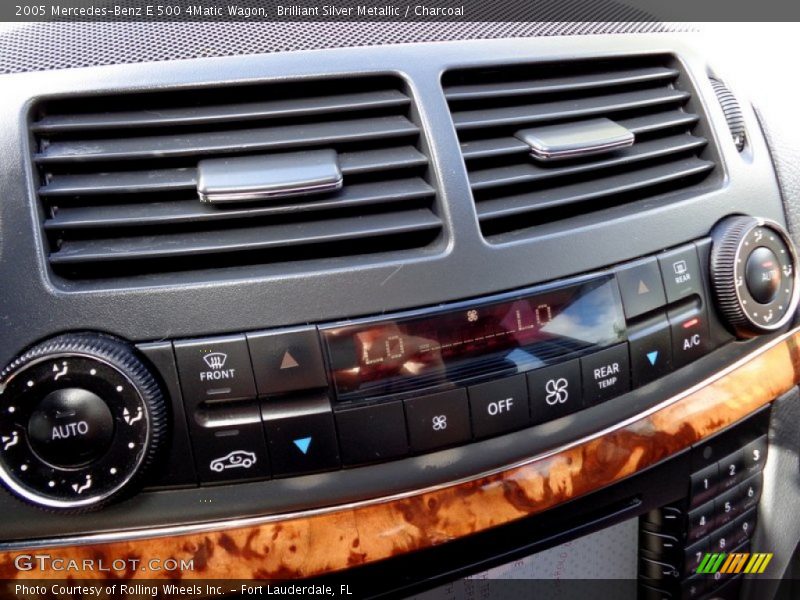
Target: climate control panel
82 416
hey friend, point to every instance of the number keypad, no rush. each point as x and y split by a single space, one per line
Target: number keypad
718 516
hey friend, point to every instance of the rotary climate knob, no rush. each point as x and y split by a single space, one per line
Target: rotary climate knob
81 418
753 271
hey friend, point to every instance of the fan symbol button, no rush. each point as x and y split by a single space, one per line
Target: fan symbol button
439 422
556 391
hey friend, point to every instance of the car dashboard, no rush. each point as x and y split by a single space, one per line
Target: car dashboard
391 307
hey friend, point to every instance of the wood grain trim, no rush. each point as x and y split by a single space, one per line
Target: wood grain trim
303 546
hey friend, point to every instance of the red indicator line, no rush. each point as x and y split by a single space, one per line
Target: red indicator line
691 323
767 265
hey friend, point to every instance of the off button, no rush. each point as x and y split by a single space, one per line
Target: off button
499 406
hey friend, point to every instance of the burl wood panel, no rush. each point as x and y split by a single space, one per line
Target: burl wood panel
300 547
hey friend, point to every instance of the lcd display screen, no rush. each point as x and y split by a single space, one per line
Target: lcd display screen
513 332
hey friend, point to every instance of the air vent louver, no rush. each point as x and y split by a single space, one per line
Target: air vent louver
119 178
514 192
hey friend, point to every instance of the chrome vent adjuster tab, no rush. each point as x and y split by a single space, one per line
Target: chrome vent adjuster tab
575 140
254 178
546 144
168 183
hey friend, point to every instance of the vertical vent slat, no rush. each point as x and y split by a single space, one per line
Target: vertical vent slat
118 178
515 193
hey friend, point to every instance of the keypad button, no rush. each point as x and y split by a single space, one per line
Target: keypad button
641 287
704 484
744 527
722 539
694 587
228 444
727 506
651 349
750 492
755 455
372 433
216 368
555 391
301 435
731 470
287 360
438 420
701 521
680 270
499 406
605 374
693 556
727 587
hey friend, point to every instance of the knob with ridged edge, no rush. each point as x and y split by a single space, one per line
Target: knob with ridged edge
81 420
753 275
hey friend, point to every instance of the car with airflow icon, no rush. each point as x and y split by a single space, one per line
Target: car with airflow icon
236 459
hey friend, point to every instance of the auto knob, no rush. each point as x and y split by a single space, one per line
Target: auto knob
753 275
81 419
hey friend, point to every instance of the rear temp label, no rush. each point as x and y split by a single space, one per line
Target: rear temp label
607 375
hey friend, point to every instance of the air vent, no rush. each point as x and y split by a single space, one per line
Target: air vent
514 191
119 178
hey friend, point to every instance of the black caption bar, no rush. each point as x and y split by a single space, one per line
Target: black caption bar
397 11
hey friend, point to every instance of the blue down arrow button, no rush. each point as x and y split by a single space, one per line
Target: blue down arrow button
651 349
303 444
